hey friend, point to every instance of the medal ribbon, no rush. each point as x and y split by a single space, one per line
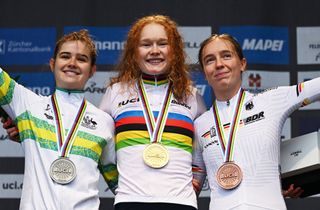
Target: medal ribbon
228 147
155 129
64 143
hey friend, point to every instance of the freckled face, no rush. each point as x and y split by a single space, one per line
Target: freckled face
153 49
72 67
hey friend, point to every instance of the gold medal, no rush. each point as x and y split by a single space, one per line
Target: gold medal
155 155
229 176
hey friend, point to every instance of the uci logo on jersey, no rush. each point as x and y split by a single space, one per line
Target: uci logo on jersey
133 100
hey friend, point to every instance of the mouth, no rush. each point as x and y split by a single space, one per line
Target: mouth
71 72
155 61
221 75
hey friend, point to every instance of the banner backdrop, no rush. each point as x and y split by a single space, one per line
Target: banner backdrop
280 40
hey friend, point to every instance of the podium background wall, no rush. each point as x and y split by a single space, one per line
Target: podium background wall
295 24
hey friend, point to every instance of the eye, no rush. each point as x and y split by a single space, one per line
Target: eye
83 59
145 44
163 43
209 60
64 56
227 56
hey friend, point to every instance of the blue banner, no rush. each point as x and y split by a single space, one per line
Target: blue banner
262 44
26 46
41 83
203 87
109 41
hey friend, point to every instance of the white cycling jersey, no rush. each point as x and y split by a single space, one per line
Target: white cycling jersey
256 148
92 147
137 181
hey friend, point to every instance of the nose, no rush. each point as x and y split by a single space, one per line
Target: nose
155 49
72 62
219 63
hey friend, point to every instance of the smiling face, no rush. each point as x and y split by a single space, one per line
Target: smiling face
153 49
223 68
72 66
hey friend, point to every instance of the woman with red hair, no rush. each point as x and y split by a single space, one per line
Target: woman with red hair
153 104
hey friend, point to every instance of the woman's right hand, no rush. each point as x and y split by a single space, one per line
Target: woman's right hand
11 128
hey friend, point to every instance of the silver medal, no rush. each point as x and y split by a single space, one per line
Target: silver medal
63 171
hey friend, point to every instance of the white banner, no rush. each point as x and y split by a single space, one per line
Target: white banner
257 81
96 86
11 185
308 45
193 36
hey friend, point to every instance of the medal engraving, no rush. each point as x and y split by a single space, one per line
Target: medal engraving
155 155
62 171
229 175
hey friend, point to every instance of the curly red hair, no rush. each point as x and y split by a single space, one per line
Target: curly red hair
178 72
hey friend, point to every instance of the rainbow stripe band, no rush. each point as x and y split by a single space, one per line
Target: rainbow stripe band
227 147
65 144
155 129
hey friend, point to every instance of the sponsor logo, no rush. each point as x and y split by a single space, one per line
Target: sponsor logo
181 104
195 45
21 46
214 142
133 100
249 105
262 44
296 153
109 45
314 46
254 80
89 122
109 41
2 47
254 118
47 112
12 185
257 81
92 88
45 91
308 45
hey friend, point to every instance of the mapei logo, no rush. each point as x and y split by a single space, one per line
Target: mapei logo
263 44
2 46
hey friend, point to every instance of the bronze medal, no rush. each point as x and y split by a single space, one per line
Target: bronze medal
229 176
62 171
155 155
